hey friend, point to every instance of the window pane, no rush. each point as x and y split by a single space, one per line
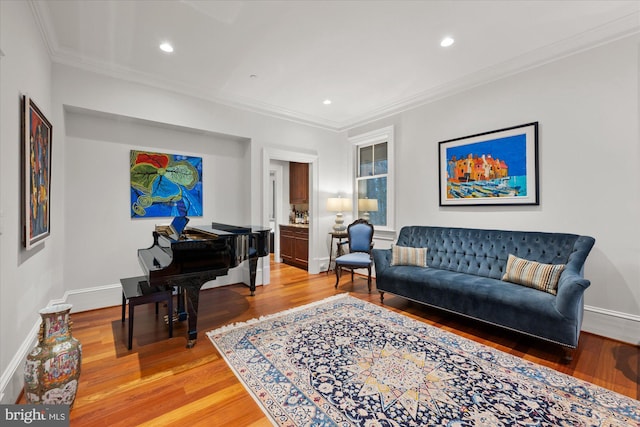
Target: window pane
380 158
374 188
366 161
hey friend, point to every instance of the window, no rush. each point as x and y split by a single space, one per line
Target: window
373 177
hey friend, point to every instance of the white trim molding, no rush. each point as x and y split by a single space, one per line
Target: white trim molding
93 298
612 324
291 155
624 26
620 326
385 134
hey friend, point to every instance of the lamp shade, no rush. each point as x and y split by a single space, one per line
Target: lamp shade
368 205
338 204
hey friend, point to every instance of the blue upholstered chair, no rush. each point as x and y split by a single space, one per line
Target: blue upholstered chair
360 240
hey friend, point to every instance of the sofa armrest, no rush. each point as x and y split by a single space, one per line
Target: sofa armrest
571 289
381 259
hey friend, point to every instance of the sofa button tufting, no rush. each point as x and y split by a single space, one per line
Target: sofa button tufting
463 252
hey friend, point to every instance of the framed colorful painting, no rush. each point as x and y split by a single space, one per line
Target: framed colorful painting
491 168
36 176
165 185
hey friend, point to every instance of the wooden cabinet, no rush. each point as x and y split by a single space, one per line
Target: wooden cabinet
294 246
298 183
286 244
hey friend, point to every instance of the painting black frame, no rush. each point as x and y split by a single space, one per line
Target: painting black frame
37 136
510 194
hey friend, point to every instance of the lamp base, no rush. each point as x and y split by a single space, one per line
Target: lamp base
339 226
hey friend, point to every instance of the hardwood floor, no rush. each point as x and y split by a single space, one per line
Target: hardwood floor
160 382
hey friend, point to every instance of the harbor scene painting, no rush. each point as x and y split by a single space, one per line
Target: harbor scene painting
498 167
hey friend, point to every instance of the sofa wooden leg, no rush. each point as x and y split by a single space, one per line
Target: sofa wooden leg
568 355
381 296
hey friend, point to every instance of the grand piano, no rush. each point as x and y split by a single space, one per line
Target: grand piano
196 255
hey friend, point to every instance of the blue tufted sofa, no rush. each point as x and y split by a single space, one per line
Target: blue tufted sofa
464 271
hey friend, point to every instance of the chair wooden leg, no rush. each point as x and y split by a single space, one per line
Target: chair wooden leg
338 269
381 297
369 279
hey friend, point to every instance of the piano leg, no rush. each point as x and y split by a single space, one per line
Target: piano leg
187 309
192 299
253 268
181 312
190 295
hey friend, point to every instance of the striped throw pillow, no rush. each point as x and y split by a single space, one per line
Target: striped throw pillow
405 255
533 274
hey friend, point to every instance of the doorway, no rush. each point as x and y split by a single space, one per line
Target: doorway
273 154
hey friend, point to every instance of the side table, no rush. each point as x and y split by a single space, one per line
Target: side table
340 235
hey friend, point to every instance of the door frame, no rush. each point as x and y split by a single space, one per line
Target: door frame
289 155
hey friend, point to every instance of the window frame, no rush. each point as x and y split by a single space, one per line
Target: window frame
371 138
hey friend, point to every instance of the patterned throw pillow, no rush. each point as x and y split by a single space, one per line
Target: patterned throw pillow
405 255
533 274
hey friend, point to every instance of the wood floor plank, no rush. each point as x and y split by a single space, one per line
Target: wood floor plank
160 382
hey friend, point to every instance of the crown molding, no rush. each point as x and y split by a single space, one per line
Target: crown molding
620 28
626 26
71 59
42 16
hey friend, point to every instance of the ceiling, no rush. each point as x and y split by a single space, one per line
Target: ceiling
284 58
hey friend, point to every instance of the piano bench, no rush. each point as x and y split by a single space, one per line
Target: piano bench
136 291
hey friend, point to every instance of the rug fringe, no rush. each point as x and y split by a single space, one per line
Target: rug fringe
236 325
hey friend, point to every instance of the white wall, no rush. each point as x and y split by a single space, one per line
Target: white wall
28 280
77 89
589 167
101 238
587 106
96 121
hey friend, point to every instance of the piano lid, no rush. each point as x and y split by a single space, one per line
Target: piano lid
219 229
239 229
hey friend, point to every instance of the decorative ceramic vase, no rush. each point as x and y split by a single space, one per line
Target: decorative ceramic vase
53 366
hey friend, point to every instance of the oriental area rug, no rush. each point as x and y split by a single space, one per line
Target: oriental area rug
346 362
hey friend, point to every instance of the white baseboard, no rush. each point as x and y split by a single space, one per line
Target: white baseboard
12 379
612 324
608 323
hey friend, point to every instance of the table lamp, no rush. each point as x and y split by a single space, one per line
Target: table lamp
338 205
367 205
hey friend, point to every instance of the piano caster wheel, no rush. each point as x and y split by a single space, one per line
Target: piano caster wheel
191 343
252 293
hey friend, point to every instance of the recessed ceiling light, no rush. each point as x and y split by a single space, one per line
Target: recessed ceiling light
166 47
447 41
326 102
